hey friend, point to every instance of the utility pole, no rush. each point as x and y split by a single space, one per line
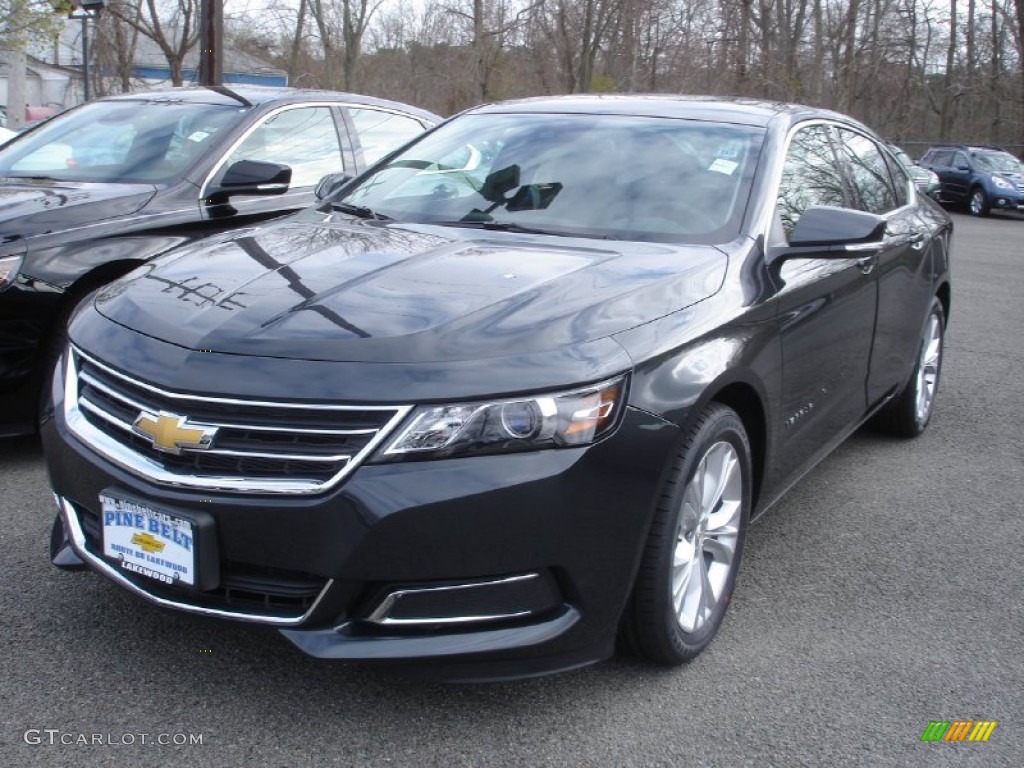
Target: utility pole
211 42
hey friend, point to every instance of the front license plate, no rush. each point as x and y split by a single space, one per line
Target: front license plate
149 542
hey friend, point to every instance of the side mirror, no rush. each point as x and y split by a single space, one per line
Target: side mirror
825 225
330 184
252 177
826 232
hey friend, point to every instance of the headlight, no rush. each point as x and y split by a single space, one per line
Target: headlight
553 420
9 266
1001 183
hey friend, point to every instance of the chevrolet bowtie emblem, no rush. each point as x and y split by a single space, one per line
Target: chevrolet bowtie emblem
169 432
148 542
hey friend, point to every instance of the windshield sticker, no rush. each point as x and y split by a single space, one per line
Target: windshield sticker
723 166
198 136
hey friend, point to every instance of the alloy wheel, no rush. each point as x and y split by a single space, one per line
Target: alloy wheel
928 366
706 536
977 202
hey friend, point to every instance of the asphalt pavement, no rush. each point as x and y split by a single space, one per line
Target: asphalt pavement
884 592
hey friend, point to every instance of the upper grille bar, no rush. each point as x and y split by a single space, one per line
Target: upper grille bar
257 448
92 381
111 419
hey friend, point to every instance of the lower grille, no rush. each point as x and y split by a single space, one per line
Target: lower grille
254 590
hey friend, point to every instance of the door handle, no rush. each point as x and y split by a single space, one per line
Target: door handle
917 240
867 264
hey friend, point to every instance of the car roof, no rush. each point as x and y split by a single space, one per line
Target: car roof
754 112
967 147
260 95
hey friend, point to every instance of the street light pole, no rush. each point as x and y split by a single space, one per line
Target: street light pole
85 57
85 10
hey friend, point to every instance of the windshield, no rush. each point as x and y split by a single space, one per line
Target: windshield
622 177
999 162
119 141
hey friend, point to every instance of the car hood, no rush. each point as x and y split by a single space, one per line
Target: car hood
361 291
30 208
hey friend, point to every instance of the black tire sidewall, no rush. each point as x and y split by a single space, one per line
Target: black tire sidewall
660 636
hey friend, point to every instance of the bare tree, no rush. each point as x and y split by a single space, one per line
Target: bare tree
172 26
115 54
342 24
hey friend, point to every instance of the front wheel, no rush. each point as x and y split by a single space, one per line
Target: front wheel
693 551
978 204
909 413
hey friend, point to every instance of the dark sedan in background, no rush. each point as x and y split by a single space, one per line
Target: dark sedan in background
91 194
510 395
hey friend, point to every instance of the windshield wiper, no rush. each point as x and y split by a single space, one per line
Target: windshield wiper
361 211
508 226
30 178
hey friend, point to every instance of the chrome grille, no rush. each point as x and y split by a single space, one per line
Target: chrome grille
259 447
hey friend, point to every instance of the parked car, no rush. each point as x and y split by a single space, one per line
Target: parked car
94 192
926 181
982 178
496 418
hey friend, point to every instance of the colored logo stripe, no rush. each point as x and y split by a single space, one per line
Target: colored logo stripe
958 730
982 730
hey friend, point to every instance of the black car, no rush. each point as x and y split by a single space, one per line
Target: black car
982 178
512 393
94 192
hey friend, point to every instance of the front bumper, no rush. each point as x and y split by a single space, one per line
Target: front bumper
500 566
1002 203
1007 200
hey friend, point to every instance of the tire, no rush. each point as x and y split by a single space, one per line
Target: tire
679 599
52 351
57 340
977 203
909 413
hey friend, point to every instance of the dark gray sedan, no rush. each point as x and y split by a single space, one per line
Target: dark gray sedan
515 392
89 195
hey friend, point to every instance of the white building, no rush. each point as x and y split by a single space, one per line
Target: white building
54 70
